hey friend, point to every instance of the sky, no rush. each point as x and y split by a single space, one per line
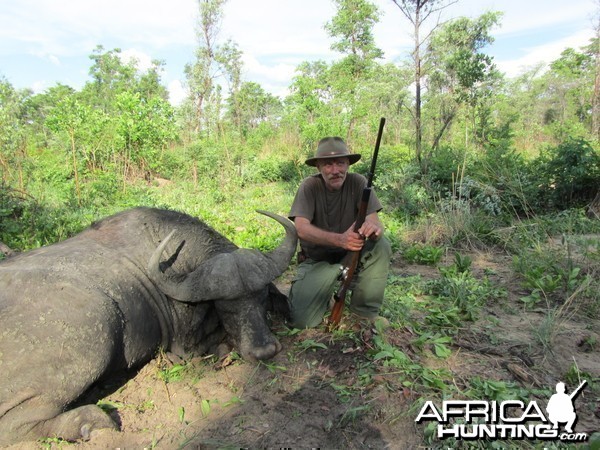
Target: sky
45 42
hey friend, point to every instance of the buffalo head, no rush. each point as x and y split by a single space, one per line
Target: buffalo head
238 282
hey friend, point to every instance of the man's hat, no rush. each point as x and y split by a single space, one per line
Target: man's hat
332 147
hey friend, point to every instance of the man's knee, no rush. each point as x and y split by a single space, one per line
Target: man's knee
378 257
385 247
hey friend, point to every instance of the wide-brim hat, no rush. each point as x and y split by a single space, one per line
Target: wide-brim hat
332 147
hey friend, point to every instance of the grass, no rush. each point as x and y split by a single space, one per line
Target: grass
562 279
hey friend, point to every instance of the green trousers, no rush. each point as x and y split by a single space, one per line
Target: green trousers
315 283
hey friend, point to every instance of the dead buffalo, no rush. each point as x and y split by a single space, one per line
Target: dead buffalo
108 298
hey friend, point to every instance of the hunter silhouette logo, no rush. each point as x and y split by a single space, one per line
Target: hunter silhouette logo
560 407
508 419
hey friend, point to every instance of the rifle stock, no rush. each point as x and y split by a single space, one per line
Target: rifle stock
353 258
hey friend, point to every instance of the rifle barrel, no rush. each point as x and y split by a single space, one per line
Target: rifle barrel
376 152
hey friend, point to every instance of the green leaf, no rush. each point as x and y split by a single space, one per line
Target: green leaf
234 401
205 406
311 344
384 354
441 351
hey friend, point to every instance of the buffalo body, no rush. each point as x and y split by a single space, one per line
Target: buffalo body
107 299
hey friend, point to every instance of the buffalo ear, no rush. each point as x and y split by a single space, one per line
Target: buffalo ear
278 302
225 276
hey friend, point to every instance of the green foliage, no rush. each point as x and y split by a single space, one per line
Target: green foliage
413 373
311 344
11 130
25 223
251 107
205 407
423 254
458 296
172 374
493 390
574 377
554 277
569 174
436 341
270 169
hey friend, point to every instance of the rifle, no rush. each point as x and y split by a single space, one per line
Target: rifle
352 258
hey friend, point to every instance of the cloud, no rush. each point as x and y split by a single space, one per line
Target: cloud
275 36
543 54
275 27
142 61
54 60
523 16
177 93
69 27
39 86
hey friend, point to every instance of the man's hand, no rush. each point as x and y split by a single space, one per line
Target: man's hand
371 227
349 240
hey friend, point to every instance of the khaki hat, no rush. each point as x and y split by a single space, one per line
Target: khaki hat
332 147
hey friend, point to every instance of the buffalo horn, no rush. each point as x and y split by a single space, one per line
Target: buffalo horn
227 275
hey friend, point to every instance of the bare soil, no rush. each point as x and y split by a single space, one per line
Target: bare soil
323 391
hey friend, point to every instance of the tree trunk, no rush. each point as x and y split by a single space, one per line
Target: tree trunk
596 95
593 211
76 172
447 120
418 75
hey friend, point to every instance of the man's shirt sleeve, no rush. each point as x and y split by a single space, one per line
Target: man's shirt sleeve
304 202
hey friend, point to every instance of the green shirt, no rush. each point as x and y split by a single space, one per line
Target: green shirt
330 211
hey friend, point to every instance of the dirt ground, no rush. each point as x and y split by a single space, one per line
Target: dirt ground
325 391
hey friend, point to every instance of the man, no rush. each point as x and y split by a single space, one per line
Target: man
324 211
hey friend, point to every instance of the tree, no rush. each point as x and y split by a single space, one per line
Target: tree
144 128
309 106
353 27
38 107
418 12
71 117
594 49
12 135
201 75
459 72
112 75
251 105
230 58
570 82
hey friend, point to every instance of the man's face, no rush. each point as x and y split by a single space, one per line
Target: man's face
334 172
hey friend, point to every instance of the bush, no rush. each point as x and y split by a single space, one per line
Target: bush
260 170
507 176
570 174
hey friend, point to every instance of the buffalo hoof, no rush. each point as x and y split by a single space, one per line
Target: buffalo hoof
78 423
264 352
